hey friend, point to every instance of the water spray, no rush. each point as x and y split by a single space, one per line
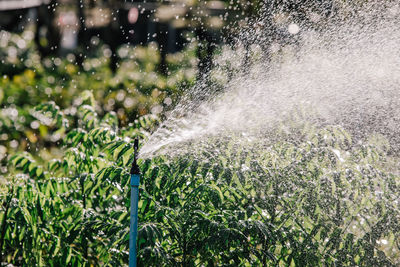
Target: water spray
135 181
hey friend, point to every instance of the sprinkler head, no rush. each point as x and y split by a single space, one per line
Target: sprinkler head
135 167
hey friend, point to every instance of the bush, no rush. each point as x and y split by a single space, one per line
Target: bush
312 201
137 89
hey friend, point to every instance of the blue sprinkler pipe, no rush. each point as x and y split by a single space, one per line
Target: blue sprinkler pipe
135 180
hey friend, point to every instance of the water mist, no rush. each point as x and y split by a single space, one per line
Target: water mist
346 73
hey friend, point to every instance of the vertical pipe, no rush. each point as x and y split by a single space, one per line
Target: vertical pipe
135 178
135 181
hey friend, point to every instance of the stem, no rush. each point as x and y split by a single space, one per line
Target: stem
4 223
184 264
83 240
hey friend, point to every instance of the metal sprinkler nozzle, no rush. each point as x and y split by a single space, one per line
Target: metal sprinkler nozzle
135 167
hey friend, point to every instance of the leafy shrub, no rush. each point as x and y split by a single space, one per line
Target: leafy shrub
137 89
318 200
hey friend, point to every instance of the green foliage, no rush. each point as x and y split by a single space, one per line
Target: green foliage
26 81
314 201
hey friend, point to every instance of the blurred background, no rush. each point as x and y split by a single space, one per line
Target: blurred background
79 27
